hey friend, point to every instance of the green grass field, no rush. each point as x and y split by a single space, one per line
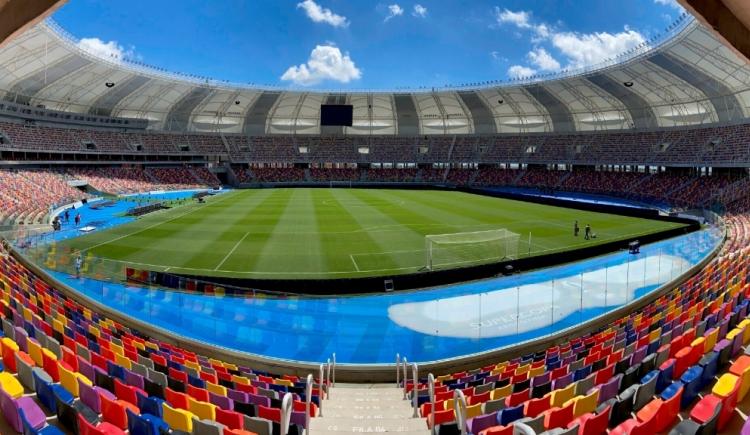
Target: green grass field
335 233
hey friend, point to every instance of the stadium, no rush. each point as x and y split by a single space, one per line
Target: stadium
560 252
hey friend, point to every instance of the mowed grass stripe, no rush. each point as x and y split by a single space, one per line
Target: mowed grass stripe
294 238
350 237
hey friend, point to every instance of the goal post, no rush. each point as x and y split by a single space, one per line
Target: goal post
470 248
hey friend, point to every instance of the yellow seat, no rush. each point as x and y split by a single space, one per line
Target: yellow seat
559 397
202 410
284 382
473 410
11 385
534 372
586 404
178 419
449 404
724 386
240 380
123 361
35 352
216 389
711 338
69 379
501 393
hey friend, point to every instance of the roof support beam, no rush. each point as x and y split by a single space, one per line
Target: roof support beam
562 119
406 115
730 20
640 111
18 15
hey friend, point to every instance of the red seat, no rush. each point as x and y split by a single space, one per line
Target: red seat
273 414
300 406
664 411
86 428
479 398
440 417
535 407
230 419
113 411
635 427
126 392
197 393
175 399
518 398
592 424
558 417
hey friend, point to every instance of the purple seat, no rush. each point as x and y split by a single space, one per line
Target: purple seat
745 428
639 354
89 396
21 337
134 379
493 378
222 402
259 400
259 384
237 396
482 422
562 381
609 389
86 369
541 379
737 344
298 418
10 407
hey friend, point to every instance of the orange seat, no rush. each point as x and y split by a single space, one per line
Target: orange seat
665 411
558 417
114 411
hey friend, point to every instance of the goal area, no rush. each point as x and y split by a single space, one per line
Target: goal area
470 248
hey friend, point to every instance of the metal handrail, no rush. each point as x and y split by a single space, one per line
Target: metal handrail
459 405
333 379
308 399
404 362
398 368
328 377
431 392
286 412
323 389
414 390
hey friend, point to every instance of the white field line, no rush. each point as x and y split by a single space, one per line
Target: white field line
232 251
155 225
354 262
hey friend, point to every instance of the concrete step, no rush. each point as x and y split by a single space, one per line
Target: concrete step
374 406
352 425
365 412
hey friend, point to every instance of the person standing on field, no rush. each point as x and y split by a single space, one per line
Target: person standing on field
79 263
587 232
576 229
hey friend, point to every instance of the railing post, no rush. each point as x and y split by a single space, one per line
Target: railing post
333 381
415 390
328 377
431 392
323 389
404 375
308 399
286 412
398 372
459 404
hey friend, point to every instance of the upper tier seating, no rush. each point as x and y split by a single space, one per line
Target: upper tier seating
29 195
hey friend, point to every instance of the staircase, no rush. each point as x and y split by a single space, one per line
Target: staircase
367 408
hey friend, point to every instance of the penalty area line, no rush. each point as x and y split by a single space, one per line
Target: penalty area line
236 245
354 262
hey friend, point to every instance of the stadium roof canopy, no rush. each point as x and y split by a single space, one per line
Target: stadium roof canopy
687 77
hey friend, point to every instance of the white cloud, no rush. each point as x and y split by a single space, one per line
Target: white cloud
110 50
394 10
592 48
519 19
320 14
419 11
518 71
326 62
543 60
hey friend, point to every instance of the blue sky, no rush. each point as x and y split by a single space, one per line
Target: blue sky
363 44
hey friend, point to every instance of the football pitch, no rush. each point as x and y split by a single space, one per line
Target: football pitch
299 233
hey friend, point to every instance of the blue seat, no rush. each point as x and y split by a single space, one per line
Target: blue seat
710 364
46 391
665 376
149 405
116 371
692 378
29 430
196 382
145 424
509 415
581 373
279 388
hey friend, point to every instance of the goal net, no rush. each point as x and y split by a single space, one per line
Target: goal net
470 248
